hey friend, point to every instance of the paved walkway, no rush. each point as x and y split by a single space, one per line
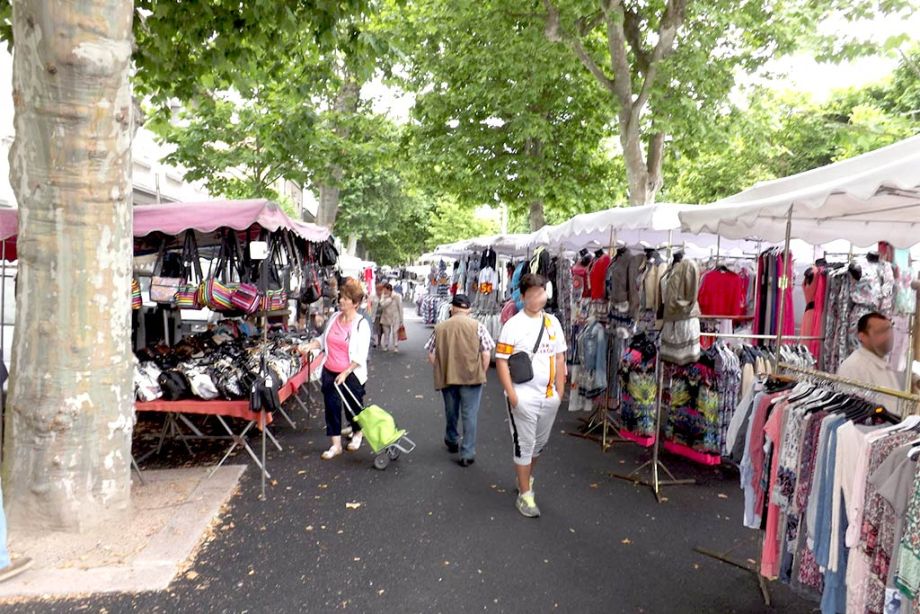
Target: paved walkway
429 536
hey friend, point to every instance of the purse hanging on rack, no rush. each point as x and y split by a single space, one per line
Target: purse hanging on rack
187 296
217 294
296 263
137 300
312 289
246 297
163 288
275 297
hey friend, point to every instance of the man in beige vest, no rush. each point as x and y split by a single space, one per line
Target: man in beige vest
459 349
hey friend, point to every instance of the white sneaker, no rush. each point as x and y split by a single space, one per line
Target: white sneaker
355 442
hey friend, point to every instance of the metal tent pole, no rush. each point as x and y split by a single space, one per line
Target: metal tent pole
784 284
2 338
656 482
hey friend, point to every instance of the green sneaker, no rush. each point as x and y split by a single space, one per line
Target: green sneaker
527 506
517 489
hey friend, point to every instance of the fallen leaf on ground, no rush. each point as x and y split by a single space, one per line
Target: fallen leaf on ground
419 396
301 472
381 591
191 575
626 541
594 485
352 506
309 528
723 496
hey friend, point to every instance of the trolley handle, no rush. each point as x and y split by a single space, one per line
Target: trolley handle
338 388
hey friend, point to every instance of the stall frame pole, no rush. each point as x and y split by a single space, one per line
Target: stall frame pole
655 483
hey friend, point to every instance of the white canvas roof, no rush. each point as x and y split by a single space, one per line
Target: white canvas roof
873 197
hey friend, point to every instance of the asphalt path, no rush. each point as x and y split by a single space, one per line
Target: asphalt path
427 535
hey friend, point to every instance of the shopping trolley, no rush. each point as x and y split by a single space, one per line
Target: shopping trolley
380 430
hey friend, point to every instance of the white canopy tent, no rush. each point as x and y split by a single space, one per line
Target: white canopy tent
652 225
870 198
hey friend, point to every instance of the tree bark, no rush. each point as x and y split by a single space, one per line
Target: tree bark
537 217
71 409
623 33
346 104
533 148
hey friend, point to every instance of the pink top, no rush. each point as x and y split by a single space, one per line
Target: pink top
770 558
337 359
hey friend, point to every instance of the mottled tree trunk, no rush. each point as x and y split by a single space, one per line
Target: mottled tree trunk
346 104
70 409
537 218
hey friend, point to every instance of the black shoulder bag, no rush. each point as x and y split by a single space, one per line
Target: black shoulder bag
521 363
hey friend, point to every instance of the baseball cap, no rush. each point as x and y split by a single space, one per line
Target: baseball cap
461 300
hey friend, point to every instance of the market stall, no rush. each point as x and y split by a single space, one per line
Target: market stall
193 258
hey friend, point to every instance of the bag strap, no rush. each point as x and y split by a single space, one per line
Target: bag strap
540 336
190 256
161 254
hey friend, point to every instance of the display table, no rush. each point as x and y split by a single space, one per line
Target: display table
220 408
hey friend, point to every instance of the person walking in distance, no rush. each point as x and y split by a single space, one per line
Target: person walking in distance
390 313
530 361
460 349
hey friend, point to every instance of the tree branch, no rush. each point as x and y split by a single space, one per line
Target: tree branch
667 32
655 157
555 33
619 60
634 37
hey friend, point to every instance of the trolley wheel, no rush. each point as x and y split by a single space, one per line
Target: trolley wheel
381 461
393 452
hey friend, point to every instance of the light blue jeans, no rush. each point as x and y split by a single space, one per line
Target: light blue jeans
462 403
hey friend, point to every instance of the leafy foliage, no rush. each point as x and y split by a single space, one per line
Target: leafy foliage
501 116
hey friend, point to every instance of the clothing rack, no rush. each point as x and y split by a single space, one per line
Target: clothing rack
765 337
899 394
601 418
655 482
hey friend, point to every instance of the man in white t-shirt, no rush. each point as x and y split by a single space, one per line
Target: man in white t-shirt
869 362
532 405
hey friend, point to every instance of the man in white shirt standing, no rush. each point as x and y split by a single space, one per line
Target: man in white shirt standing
532 404
869 363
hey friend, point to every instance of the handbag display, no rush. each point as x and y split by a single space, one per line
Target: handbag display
217 291
521 363
188 296
218 296
328 254
146 381
137 300
163 288
246 298
174 385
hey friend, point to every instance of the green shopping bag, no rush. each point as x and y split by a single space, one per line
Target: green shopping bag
379 427
376 423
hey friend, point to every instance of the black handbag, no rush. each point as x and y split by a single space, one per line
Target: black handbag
328 254
521 363
174 385
264 395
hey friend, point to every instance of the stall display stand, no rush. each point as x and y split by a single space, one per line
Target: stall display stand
601 419
655 482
